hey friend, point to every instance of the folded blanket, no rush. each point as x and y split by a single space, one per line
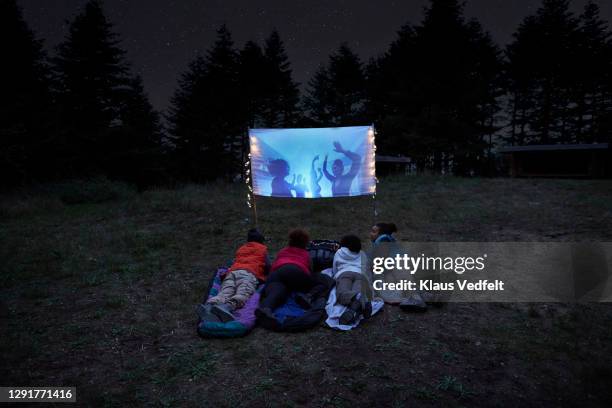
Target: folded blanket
334 311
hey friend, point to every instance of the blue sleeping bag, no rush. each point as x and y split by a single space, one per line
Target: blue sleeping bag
290 317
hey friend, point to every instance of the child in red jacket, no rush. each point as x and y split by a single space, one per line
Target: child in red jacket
290 272
251 265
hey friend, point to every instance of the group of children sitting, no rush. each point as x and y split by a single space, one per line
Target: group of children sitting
291 272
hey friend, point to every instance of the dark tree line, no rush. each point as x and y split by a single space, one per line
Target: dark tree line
82 113
107 124
559 69
435 91
224 93
443 93
27 110
336 93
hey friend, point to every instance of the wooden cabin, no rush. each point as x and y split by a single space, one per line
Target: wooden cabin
562 160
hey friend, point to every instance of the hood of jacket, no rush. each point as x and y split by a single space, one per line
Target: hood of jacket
346 261
345 255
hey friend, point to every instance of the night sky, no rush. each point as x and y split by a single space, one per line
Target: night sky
162 36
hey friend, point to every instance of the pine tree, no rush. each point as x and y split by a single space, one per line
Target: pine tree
252 70
390 95
440 89
25 112
90 69
336 94
207 115
456 66
520 84
593 91
139 149
348 85
282 96
138 118
543 62
488 92
97 95
185 119
319 98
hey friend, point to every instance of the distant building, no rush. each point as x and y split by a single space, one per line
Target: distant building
563 160
386 165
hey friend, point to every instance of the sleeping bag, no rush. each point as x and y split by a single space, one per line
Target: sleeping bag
245 316
290 317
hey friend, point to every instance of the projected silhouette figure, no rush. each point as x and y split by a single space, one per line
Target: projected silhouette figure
314 178
341 183
300 186
279 169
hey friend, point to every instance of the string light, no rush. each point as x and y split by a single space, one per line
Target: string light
372 134
247 176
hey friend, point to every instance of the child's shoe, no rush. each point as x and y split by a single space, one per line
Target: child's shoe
351 313
205 313
223 313
303 300
348 317
262 312
413 303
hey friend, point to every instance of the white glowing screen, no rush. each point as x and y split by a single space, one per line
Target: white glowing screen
313 162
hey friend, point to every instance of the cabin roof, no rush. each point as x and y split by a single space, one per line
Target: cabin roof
539 148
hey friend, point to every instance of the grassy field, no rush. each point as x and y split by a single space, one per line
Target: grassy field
98 288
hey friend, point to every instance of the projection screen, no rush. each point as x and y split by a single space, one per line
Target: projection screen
313 162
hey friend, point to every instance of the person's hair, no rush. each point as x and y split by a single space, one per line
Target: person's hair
386 228
277 166
298 238
255 236
352 242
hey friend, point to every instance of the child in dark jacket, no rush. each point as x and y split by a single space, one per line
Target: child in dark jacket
251 265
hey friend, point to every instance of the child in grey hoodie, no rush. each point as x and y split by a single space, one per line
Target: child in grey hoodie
348 267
